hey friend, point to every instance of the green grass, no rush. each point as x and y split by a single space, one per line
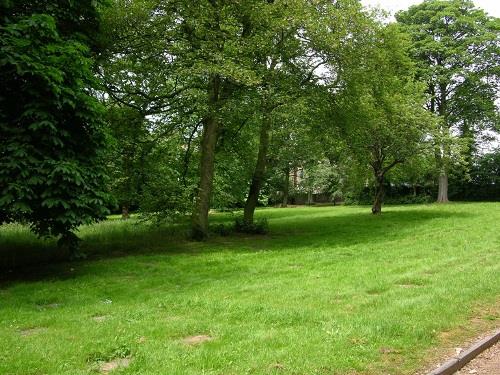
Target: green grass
331 290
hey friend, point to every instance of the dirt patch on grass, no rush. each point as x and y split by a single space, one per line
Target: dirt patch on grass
99 318
409 286
114 364
386 350
26 332
49 306
196 340
277 366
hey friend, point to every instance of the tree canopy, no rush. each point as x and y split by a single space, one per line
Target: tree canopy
52 134
456 49
171 108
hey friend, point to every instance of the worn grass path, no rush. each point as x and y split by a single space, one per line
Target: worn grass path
331 290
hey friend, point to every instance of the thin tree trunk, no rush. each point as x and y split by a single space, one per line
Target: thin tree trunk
260 170
286 188
125 212
199 218
379 195
445 152
414 190
443 187
309 197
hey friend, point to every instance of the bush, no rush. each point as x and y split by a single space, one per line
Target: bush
257 227
409 199
221 230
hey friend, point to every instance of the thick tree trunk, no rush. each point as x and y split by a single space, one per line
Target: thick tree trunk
260 170
379 195
443 187
286 188
125 212
199 218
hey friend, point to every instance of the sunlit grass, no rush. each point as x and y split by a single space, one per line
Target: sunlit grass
328 290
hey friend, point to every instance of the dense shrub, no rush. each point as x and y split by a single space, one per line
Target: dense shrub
259 226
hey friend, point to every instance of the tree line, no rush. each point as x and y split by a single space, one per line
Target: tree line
174 107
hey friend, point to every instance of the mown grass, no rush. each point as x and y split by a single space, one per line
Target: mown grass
330 290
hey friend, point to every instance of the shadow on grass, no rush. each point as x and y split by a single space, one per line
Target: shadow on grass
22 257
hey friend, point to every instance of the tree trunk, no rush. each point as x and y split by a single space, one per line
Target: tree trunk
125 212
286 188
379 195
443 187
414 190
260 170
444 149
309 197
199 218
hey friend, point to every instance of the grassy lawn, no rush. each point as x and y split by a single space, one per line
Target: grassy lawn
331 290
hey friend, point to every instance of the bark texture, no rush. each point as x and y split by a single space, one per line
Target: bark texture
199 219
444 154
286 188
379 195
379 172
443 188
125 212
260 170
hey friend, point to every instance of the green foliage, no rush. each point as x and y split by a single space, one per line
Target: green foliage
483 183
51 133
74 19
456 47
130 147
122 351
222 230
259 226
409 199
166 195
380 108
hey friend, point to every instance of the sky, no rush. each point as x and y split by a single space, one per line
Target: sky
492 7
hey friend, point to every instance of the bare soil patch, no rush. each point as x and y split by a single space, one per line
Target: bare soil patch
99 318
25 332
486 319
195 340
114 364
486 363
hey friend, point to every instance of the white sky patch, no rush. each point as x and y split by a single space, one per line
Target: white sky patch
492 7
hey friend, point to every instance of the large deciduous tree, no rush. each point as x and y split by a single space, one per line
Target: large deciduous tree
300 38
380 107
51 133
456 47
179 60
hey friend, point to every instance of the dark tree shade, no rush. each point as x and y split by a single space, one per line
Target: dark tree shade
77 19
51 134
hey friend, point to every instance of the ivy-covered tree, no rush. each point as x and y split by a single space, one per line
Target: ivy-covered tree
51 133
